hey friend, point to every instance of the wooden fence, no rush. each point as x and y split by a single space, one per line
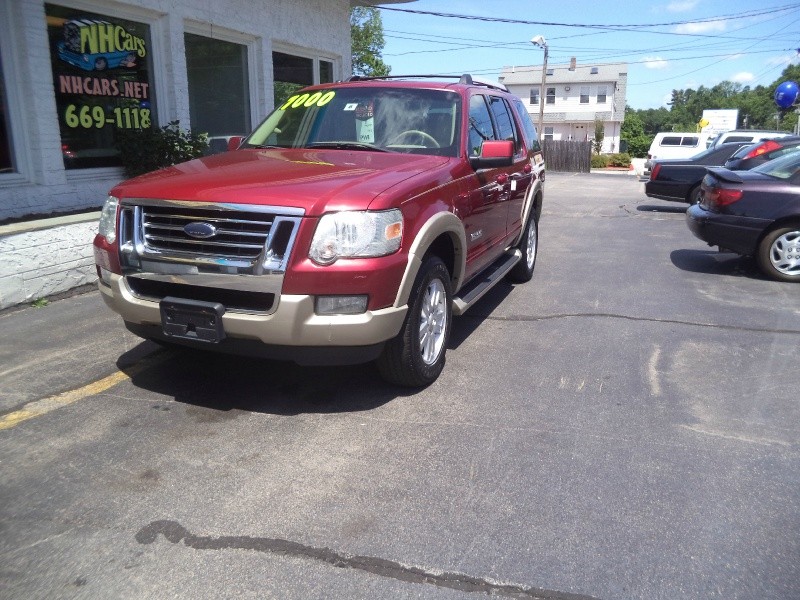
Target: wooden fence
562 155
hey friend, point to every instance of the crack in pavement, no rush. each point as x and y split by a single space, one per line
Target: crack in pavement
524 319
175 533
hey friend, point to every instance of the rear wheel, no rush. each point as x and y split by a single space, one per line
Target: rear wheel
694 195
528 245
416 356
779 253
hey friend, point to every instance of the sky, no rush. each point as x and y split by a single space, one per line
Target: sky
674 44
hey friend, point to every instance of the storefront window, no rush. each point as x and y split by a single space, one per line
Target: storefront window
219 88
6 156
325 71
290 74
103 82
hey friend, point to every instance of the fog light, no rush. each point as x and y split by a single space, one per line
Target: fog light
341 305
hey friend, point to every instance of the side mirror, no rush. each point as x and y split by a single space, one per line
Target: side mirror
494 154
234 142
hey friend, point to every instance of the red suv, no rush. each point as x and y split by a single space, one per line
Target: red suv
350 226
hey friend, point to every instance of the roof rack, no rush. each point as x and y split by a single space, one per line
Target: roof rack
465 79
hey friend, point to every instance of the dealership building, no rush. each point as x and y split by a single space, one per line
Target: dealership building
76 74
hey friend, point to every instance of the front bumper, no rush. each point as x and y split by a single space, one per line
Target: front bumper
291 331
730 232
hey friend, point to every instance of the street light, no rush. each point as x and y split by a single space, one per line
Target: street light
542 43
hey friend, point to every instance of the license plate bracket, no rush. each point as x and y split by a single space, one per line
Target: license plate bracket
192 320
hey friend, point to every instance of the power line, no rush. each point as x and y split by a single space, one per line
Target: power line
729 17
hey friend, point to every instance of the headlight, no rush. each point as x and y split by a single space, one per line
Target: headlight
108 220
353 234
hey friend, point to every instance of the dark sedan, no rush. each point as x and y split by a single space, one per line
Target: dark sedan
765 150
754 213
678 180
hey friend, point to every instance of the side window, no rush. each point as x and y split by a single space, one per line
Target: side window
689 141
584 94
527 126
671 141
480 124
505 122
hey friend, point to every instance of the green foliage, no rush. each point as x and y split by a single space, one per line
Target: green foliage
632 133
620 159
599 134
145 150
366 32
283 91
757 109
599 161
40 303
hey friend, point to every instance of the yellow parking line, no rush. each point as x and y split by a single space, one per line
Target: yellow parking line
45 405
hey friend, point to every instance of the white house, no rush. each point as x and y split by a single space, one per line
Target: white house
575 97
73 73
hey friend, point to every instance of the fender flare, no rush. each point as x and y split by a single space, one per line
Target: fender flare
443 223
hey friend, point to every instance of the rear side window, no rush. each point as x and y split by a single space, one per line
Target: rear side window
506 130
674 140
689 141
527 126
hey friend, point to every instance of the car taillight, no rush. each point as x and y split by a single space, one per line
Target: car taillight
654 172
767 146
715 197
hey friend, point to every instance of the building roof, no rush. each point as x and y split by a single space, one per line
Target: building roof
563 74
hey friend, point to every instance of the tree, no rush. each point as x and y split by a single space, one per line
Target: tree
599 134
366 32
632 133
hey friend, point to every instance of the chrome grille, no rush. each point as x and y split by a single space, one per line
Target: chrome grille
239 234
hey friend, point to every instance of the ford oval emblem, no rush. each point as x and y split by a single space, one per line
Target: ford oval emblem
200 230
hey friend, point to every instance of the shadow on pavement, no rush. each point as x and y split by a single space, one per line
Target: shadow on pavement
713 262
676 208
233 383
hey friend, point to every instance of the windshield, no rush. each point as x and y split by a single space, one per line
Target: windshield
365 118
784 167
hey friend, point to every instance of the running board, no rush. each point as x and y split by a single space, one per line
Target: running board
493 274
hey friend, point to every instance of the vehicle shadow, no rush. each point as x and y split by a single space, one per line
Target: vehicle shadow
466 324
675 208
226 383
713 262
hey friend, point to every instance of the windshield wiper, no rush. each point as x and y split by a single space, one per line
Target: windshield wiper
265 146
345 145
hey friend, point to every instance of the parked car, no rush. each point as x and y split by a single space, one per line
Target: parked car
749 136
673 144
350 226
678 180
754 213
756 154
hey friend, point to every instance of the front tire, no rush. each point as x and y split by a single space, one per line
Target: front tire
779 253
529 246
416 357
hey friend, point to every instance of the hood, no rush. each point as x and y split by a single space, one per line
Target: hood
318 181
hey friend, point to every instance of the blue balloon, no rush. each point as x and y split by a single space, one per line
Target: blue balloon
786 94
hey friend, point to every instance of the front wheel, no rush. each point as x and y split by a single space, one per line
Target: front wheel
528 245
416 356
779 253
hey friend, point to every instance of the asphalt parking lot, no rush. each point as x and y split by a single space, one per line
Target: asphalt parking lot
626 425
